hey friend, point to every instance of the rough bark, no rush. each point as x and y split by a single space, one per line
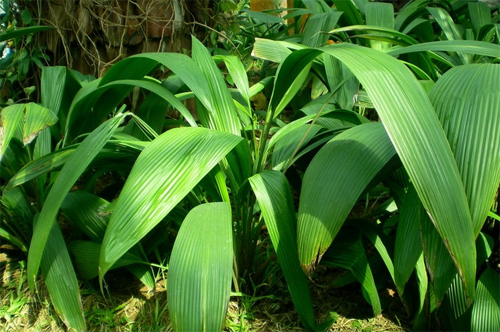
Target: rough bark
91 35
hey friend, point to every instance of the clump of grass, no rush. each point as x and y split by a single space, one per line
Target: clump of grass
130 308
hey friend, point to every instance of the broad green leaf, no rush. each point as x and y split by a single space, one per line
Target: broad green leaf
449 29
60 279
272 50
486 309
86 212
69 174
275 200
239 76
200 269
115 151
414 129
286 146
408 246
467 101
31 117
329 193
221 109
351 13
348 252
165 172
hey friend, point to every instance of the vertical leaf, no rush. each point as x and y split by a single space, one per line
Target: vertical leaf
200 272
467 101
486 310
275 199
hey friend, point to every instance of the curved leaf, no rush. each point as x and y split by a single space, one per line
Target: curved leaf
467 101
417 135
165 172
329 193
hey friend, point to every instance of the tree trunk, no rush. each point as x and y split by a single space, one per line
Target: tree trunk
92 35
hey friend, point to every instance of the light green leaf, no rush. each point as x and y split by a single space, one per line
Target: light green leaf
60 279
31 117
165 172
467 101
200 272
275 200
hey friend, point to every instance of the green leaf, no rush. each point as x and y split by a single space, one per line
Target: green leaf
22 32
59 87
486 310
70 173
464 46
480 15
87 213
165 172
329 193
408 246
104 98
467 101
416 133
316 26
221 109
200 269
275 200
31 117
291 74
382 15
86 257
351 13
60 279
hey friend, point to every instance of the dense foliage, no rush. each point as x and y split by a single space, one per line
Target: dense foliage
358 106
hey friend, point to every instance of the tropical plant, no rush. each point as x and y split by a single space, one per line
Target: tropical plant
142 190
